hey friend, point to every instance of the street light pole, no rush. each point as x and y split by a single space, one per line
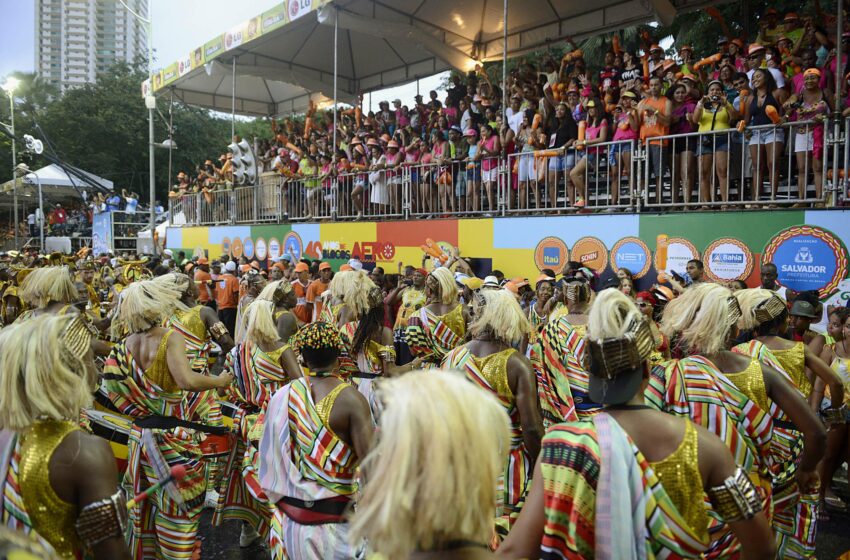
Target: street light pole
10 86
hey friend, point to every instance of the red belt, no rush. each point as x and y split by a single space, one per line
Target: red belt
315 512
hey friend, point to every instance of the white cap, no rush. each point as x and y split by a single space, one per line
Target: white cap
460 277
490 282
355 264
168 253
230 266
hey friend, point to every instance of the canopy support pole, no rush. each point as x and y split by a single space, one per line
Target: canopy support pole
233 104
837 168
170 134
505 64
336 56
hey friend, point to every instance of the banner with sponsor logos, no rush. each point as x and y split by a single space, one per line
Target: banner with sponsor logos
807 247
101 233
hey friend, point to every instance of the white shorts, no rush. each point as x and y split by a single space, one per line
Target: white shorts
804 142
526 168
490 175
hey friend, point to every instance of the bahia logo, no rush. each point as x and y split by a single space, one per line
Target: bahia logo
727 258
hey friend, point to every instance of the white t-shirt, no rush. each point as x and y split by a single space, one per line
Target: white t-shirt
130 207
777 76
514 120
31 219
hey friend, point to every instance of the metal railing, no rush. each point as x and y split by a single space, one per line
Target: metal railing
698 170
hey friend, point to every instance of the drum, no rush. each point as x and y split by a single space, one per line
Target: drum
216 447
113 428
228 411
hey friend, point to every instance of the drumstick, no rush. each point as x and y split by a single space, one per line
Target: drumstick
177 473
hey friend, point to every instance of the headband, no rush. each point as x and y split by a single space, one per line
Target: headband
811 72
610 356
735 312
769 309
317 336
76 338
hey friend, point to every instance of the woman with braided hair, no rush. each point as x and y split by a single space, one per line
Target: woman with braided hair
281 294
260 365
146 377
491 360
558 358
704 320
440 325
318 428
58 481
630 482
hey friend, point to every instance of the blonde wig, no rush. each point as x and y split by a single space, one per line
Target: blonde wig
411 500
46 370
749 300
342 282
259 322
610 315
448 287
353 290
146 304
700 317
174 280
49 284
275 291
499 313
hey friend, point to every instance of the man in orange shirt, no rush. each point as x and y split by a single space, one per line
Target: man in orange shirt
655 114
299 285
317 288
203 279
227 297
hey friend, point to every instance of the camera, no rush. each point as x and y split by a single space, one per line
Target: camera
796 105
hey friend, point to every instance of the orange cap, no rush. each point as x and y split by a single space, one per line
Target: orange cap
345 268
324 266
302 267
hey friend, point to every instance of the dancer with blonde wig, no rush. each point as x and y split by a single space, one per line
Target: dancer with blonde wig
705 321
260 366
343 282
630 482
280 293
59 482
146 377
558 358
408 504
48 290
491 361
764 315
440 325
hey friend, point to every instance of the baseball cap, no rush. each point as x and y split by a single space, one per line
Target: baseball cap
473 283
324 266
802 308
754 48
302 267
519 282
355 264
471 132
230 266
616 364
345 268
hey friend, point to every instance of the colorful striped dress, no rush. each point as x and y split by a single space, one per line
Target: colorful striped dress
370 360
300 457
695 388
490 372
165 525
431 336
602 498
257 375
558 359
794 518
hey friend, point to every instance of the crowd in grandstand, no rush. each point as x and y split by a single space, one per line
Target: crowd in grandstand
705 123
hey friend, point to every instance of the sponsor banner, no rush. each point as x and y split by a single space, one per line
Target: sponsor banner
728 259
632 254
157 81
292 245
169 74
298 8
184 66
101 233
274 18
248 248
673 253
592 253
146 88
260 249
236 248
275 248
197 57
551 253
226 246
213 48
808 258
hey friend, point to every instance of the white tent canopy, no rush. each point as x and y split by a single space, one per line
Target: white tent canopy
383 43
56 185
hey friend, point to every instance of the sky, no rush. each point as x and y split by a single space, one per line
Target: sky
178 27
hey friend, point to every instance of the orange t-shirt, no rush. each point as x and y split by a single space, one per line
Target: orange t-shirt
204 280
301 308
227 292
650 127
314 290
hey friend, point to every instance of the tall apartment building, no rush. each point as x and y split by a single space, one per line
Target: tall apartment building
75 40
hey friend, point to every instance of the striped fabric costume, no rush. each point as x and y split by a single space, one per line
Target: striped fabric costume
602 498
370 360
257 375
431 336
164 526
696 389
558 360
301 458
490 373
794 513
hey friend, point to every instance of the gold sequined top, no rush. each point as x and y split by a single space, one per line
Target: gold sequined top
841 366
275 355
324 406
411 301
495 370
51 516
454 320
376 353
192 322
158 371
751 383
94 300
680 476
793 361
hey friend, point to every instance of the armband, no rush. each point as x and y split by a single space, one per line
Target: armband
736 499
218 330
102 520
834 416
